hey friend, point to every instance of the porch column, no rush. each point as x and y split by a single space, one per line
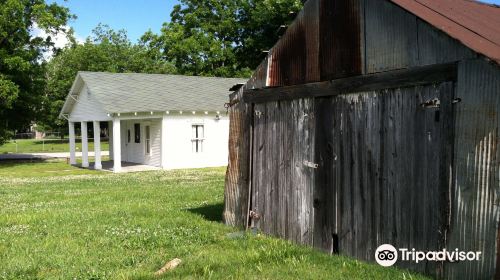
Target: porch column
85 146
110 139
163 147
97 145
72 145
117 153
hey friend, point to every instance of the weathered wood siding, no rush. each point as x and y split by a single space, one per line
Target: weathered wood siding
283 181
236 194
389 170
384 171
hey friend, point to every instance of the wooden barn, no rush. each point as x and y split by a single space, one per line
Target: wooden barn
373 122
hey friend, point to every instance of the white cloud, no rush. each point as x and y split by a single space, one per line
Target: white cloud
60 39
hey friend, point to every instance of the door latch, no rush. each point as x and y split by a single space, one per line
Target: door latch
311 164
431 103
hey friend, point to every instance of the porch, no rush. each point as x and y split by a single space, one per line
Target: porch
126 167
131 149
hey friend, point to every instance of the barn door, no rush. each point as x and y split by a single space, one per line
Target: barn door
384 173
283 169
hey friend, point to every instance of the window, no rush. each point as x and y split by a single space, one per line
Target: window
148 140
137 132
128 136
198 137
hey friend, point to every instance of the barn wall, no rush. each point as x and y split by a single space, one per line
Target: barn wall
475 211
294 59
389 171
259 77
435 47
283 180
237 186
384 171
396 39
340 46
391 37
331 39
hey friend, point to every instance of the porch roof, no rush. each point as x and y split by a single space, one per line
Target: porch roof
132 92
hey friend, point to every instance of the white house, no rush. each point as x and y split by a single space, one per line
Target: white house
165 121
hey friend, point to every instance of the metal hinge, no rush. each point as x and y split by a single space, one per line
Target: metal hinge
432 103
311 164
254 215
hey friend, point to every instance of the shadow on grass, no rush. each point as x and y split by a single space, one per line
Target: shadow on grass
211 212
11 162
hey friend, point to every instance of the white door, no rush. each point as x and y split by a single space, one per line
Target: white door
124 140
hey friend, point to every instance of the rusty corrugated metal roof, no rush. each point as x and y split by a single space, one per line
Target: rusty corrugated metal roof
475 24
294 58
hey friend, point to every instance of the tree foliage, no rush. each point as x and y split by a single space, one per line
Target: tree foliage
106 50
224 38
21 58
220 37
261 20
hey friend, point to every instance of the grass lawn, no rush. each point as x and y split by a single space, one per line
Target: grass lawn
49 168
47 146
78 224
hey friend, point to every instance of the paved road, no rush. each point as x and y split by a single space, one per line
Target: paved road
44 155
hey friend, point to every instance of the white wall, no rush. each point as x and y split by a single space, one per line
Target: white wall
87 108
136 152
179 145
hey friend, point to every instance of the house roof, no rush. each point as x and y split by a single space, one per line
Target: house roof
475 24
131 92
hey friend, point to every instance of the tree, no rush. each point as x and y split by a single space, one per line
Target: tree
199 38
261 20
220 37
21 58
105 51
223 38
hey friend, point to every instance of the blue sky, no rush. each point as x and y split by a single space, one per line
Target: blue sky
491 1
135 16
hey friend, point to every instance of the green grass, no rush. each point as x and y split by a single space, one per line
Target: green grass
49 168
126 226
47 146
